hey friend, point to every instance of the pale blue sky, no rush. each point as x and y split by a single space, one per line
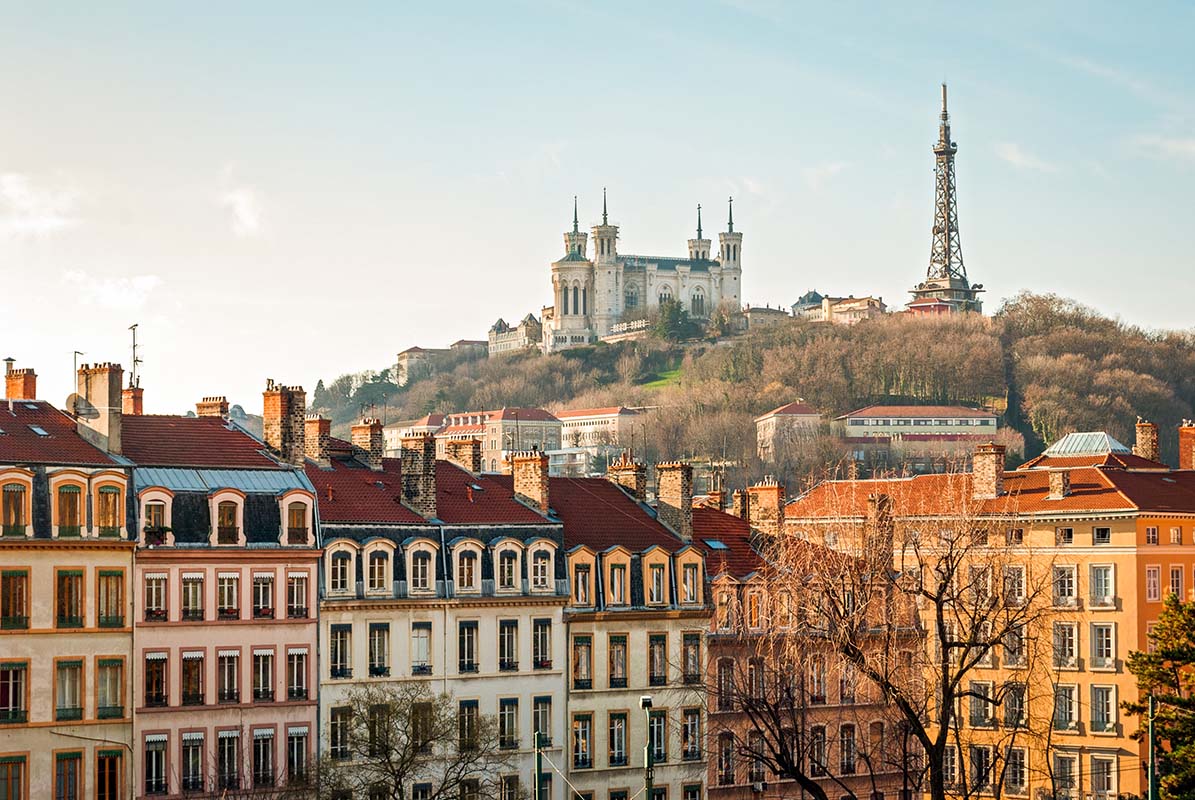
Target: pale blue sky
296 191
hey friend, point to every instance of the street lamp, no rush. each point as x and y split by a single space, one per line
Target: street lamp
648 765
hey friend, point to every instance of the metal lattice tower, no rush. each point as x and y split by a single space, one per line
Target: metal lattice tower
946 253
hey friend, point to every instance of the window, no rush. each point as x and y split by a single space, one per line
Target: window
1176 535
68 600
618 740
467 646
690 583
691 657
338 732
847 681
1103 708
296 597
1103 648
263 675
981 704
107 774
1014 705
13 511
341 647
950 765
296 673
981 768
1066 774
657 734
263 758
541 569
228 760
421 571
466 571
68 777
581 584
379 649
192 678
228 596
1176 581
109 685
155 597
1064 536
296 523
541 643
14 599
508 722
508 569
1014 646
108 512
1153 584
1065 708
155 764
1101 535
690 734
817 680
68 690
263 596
508 644
339 579
582 741
13 688
155 679
582 662
1151 535
1103 588
726 759
192 602
468 720
541 719
193 762
618 661
1103 777
755 768
754 613
817 750
656 584
69 516
618 584
155 522
1016 771
228 667
725 685
421 648
1065 644
1064 586
1014 586
296 752
657 659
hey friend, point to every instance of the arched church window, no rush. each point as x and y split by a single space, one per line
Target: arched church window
631 298
698 303
576 296
584 301
665 294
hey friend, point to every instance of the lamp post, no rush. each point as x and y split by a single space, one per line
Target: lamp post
649 768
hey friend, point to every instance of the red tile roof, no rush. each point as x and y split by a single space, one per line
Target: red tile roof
1105 460
175 441
19 444
350 492
795 408
880 411
520 414
492 503
739 558
594 412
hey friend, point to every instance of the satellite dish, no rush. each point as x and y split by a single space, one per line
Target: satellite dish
81 407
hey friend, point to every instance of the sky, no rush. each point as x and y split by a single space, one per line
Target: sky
296 191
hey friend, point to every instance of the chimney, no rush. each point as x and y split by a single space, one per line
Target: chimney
212 407
530 471
419 475
630 475
1186 445
1146 445
21 384
316 432
739 507
1060 483
765 506
465 453
99 413
987 471
132 401
674 497
284 413
368 443
880 526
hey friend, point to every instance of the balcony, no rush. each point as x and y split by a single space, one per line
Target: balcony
582 761
542 663
110 712
69 621
229 780
296 536
155 537
10 716
725 778
1066 601
379 671
341 672
156 615
296 612
263 695
691 754
230 696
13 530
507 665
296 693
14 623
111 620
1065 724
69 531
421 668
228 535
263 780
618 683
155 785
1065 661
192 783
192 615
467 667
1102 726
68 714
692 678
228 613
192 699
157 699
263 613
508 742
109 532
1101 601
582 683
1102 662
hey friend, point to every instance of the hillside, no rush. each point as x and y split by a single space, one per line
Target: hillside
1048 364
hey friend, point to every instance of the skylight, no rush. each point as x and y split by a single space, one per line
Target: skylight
39 430
714 544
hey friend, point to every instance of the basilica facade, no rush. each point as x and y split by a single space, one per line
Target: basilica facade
595 296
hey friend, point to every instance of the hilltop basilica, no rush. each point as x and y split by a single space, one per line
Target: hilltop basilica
595 297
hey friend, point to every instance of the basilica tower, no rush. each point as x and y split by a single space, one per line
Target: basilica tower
607 274
699 248
730 252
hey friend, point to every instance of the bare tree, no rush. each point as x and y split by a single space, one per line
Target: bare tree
395 736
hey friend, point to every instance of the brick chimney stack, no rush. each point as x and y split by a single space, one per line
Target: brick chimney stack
987 471
1146 445
739 505
765 506
674 497
465 453
880 526
316 432
530 471
630 475
98 415
20 384
132 401
212 407
368 443
419 475
1186 445
1060 483
284 414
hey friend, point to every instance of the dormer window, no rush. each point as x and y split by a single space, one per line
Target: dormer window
655 584
466 571
541 569
155 515
421 571
379 569
339 578
508 569
108 511
227 531
296 523
581 584
690 579
69 511
13 509
618 584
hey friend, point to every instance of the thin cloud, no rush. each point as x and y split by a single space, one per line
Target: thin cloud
819 175
1019 158
1121 78
114 293
244 210
1171 148
31 211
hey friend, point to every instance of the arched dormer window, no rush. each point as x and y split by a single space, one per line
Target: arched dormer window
340 571
15 497
228 522
541 570
421 571
68 505
109 510
156 506
467 578
507 568
378 573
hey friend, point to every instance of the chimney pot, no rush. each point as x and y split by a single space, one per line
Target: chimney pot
630 475
529 469
215 406
369 444
21 384
1186 445
316 432
739 505
465 453
1146 445
765 505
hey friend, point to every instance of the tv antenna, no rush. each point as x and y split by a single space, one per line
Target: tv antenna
134 380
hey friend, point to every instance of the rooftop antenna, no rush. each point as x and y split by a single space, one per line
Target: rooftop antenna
134 380
74 377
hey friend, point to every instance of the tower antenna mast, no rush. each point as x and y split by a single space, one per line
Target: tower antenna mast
134 378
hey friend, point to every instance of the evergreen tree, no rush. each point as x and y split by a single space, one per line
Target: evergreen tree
320 399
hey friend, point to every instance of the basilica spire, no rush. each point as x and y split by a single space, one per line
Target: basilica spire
604 219
730 219
699 220
576 229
